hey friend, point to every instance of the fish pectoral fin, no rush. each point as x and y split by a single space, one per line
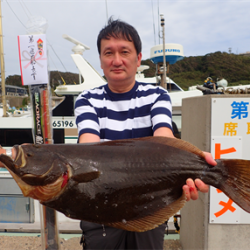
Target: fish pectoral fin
154 220
80 173
81 176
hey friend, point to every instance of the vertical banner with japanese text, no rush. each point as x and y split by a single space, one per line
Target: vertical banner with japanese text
230 139
33 59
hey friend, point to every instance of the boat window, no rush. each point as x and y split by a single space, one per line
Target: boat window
65 108
10 137
174 87
58 136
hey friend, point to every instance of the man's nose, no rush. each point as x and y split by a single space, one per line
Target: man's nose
117 60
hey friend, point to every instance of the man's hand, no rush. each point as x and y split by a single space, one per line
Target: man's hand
2 151
192 187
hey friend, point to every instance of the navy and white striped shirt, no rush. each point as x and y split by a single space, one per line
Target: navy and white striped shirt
113 116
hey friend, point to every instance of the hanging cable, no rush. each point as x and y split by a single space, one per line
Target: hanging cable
64 83
50 57
24 9
15 14
57 55
153 20
30 14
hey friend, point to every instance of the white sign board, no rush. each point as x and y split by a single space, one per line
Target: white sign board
230 139
33 59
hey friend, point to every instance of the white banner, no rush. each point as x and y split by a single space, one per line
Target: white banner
33 59
230 139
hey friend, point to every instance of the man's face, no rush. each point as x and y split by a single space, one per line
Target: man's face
119 60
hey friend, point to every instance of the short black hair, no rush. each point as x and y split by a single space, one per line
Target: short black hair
119 29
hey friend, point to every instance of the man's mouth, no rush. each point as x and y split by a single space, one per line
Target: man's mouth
117 70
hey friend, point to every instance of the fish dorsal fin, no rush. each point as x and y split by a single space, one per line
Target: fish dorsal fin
176 143
151 221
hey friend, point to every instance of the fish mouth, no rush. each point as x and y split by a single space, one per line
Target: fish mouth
46 192
19 159
36 179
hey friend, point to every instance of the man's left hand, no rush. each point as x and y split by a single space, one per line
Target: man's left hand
192 187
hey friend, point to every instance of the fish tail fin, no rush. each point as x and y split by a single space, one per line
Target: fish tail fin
237 184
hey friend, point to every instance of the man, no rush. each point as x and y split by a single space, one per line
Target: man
125 109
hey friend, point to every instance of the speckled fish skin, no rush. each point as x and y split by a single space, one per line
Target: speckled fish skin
116 182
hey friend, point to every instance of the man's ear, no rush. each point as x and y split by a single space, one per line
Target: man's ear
139 59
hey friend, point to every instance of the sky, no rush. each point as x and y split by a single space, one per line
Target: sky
200 26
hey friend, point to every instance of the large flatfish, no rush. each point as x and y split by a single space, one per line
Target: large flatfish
133 184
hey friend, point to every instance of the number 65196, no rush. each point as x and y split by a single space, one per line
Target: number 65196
58 124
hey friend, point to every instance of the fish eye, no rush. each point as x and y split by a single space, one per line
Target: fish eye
29 154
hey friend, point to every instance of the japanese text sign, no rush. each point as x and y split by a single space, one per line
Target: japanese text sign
230 139
33 59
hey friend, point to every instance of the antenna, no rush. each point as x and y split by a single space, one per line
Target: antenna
107 12
163 79
79 48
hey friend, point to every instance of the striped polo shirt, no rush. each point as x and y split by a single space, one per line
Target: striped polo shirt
113 116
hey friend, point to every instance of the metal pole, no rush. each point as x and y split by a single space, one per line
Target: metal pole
163 80
2 66
43 135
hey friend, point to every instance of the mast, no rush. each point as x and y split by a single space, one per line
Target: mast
2 66
107 15
163 79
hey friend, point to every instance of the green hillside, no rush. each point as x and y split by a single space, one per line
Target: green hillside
55 79
190 71
194 70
